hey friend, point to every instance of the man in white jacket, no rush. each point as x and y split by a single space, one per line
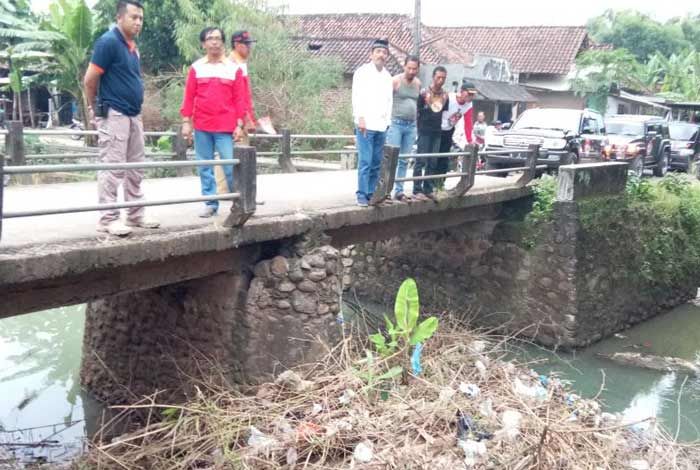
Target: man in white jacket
372 96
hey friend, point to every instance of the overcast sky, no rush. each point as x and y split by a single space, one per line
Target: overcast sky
485 12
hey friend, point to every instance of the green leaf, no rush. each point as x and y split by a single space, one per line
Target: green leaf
391 373
407 306
16 80
379 341
424 331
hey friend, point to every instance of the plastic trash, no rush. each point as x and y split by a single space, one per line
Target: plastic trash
363 452
260 441
482 370
470 390
467 428
486 408
572 398
534 392
639 465
292 456
317 408
477 347
415 359
473 451
511 424
446 394
347 397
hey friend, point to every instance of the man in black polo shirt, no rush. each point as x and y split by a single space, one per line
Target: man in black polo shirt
114 92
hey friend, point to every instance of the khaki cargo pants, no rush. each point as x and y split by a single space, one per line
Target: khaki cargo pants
120 139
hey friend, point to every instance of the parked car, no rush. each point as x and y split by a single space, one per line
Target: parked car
685 144
565 136
641 140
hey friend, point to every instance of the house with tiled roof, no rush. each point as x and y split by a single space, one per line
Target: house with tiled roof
542 57
348 37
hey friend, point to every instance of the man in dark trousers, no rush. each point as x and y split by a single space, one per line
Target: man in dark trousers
114 92
432 102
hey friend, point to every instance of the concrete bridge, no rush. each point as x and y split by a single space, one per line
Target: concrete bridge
197 299
250 296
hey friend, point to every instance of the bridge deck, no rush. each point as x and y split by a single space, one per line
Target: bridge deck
57 260
282 194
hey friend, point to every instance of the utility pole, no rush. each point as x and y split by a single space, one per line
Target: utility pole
416 29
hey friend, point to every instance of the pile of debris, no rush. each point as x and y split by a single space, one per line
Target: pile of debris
468 408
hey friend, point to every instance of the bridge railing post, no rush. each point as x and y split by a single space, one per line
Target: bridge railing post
180 150
285 158
531 163
245 181
387 173
468 164
15 148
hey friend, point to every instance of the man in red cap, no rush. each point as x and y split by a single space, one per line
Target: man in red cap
241 43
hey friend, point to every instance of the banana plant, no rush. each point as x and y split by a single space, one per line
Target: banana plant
405 330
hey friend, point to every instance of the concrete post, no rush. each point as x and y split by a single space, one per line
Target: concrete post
387 173
180 149
348 161
466 181
245 181
285 158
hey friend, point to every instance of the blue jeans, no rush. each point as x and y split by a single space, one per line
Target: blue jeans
402 134
204 145
370 149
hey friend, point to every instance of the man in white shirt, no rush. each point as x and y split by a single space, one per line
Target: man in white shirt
372 91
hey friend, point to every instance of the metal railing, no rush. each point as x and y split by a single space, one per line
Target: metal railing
243 199
245 159
467 162
16 150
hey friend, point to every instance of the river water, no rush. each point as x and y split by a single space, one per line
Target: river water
40 361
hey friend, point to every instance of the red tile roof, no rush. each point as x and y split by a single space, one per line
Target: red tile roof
529 49
352 52
397 28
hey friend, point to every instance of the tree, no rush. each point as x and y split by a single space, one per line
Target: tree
157 40
599 70
638 33
23 45
72 21
287 83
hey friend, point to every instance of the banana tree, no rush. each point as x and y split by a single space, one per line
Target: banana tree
23 45
72 21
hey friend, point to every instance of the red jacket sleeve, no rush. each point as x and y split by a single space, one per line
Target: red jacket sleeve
187 108
469 125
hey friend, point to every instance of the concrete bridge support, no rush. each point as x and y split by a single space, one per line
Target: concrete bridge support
246 325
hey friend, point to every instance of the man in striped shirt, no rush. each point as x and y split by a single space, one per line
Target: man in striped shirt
212 110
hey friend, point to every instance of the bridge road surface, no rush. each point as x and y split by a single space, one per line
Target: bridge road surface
282 194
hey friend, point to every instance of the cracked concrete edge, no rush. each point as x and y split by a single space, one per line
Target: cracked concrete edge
46 261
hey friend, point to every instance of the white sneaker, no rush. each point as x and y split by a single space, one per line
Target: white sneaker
116 228
145 222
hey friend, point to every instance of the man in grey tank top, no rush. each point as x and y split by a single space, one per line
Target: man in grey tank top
402 132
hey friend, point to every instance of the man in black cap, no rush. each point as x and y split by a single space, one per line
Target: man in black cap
372 98
241 43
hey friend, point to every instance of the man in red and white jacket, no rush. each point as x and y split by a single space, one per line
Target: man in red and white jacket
212 107
459 108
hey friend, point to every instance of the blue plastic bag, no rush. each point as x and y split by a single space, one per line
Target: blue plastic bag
415 359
